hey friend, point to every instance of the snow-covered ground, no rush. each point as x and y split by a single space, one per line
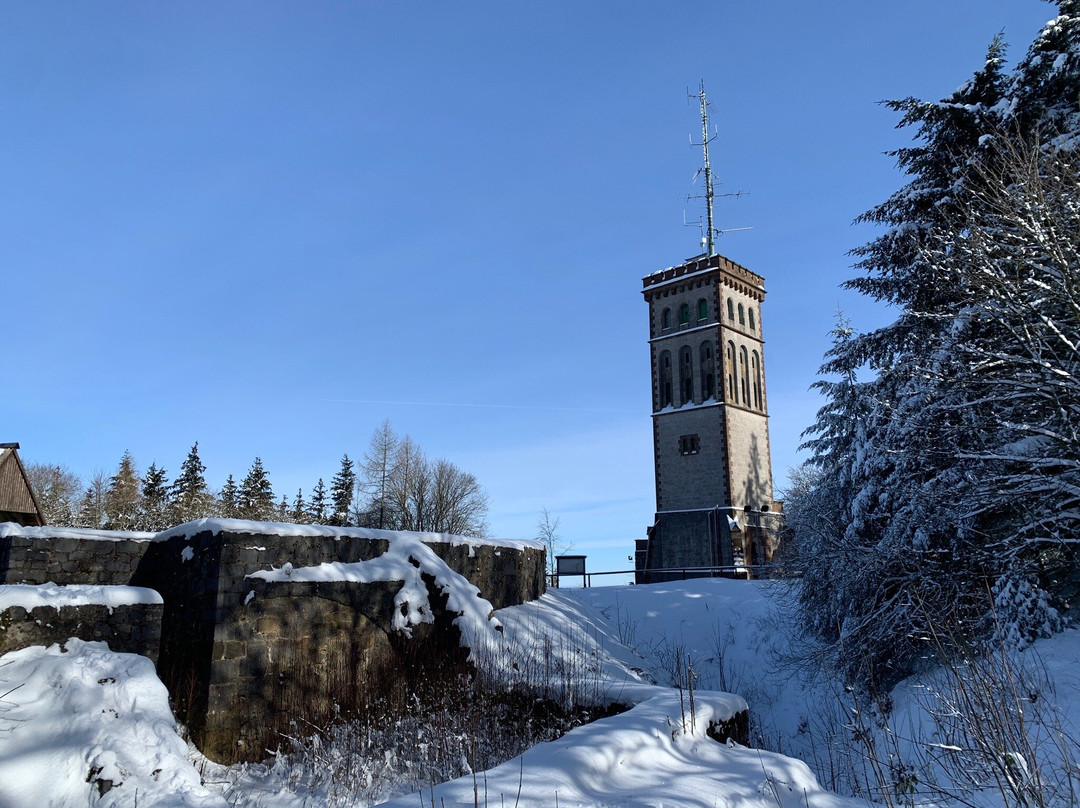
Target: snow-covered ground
72 722
89 727
742 636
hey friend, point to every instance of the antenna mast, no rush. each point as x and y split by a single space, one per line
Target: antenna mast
709 230
708 240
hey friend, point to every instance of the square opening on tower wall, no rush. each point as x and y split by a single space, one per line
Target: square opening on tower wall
689 444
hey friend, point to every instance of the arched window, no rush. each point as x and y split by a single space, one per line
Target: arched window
665 319
686 374
708 374
684 313
702 309
755 369
730 309
744 376
750 312
665 379
742 315
733 394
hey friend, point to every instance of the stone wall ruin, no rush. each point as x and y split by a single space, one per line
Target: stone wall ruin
241 655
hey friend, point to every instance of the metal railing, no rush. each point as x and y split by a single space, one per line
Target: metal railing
678 573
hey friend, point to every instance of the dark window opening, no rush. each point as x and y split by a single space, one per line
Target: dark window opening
755 366
732 393
702 309
684 313
665 319
744 376
689 444
708 383
742 315
751 315
665 379
686 375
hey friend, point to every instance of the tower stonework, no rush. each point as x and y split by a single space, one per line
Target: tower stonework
714 503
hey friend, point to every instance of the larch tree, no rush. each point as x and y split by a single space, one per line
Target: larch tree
123 500
377 473
91 511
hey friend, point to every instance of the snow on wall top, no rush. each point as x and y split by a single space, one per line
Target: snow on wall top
29 596
15 530
406 559
327 531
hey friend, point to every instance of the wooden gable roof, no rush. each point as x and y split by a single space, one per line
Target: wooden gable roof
18 502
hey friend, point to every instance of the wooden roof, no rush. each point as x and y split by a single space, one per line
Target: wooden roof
18 502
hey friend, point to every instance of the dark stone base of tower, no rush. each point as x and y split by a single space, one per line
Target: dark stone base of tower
708 543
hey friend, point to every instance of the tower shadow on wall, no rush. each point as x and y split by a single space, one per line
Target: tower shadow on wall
758 545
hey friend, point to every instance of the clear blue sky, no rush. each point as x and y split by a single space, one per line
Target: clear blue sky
269 226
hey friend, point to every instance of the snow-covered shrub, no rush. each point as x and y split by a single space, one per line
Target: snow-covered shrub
1023 611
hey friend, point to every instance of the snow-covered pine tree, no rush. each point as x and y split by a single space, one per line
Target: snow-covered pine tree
918 548
123 500
817 505
299 513
228 499
256 498
342 490
281 513
190 497
317 510
1015 353
155 514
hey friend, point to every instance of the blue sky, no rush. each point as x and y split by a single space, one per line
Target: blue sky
269 226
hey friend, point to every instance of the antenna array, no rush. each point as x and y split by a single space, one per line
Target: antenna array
711 232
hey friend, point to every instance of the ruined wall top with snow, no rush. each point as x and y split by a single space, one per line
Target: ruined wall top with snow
507 572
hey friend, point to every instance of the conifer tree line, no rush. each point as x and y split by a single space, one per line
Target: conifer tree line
944 481
395 486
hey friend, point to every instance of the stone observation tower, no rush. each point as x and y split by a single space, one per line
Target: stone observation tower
714 503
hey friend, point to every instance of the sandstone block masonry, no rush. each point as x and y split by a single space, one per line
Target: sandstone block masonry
240 654
134 628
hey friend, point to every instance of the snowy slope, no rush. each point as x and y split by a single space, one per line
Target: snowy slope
742 637
65 715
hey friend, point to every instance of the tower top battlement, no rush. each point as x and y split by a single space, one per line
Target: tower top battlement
703 264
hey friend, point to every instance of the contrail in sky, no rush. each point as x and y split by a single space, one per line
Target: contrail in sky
477 406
